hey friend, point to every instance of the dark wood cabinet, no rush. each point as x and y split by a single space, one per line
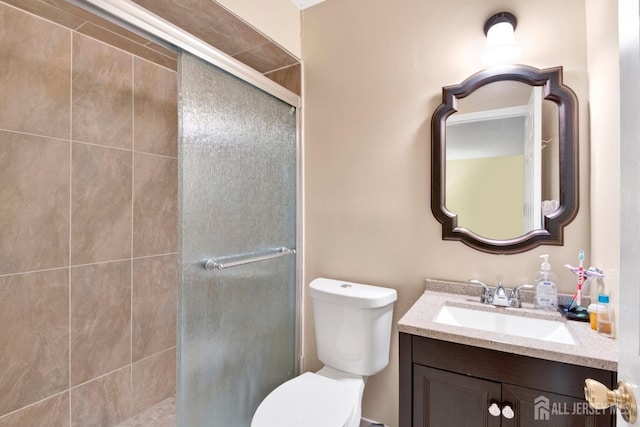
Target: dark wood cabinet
442 398
445 384
562 411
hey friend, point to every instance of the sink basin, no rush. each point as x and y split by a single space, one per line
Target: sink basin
509 324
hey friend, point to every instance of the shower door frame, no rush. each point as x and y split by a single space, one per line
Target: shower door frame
139 20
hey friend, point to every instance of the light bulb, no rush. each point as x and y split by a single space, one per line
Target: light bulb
501 44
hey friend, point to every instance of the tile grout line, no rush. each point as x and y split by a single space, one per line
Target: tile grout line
121 49
252 48
281 68
133 175
149 356
155 63
84 143
57 138
99 377
22 408
17 273
124 149
70 207
154 256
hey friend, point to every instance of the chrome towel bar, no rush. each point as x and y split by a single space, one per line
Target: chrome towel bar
211 264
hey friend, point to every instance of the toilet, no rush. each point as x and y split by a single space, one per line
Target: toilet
353 334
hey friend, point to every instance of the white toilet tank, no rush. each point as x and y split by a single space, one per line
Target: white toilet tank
352 324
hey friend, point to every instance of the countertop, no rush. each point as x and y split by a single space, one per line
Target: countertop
591 349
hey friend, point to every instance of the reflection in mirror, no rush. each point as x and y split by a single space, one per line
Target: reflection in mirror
504 159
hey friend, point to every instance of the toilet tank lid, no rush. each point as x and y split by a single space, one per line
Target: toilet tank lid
351 294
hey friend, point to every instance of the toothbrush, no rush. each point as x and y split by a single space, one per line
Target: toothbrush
577 298
580 276
587 276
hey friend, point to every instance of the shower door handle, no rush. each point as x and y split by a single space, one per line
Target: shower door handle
220 264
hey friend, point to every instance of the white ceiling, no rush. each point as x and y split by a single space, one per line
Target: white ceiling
303 4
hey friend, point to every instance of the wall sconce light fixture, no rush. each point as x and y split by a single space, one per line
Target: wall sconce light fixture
501 43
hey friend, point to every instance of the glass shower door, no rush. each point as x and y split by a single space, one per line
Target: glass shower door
237 325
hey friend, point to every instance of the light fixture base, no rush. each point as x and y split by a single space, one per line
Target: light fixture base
498 18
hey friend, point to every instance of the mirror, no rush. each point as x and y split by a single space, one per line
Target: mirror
502 130
504 159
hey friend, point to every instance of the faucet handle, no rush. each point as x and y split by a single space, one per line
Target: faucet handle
478 282
515 295
485 296
525 286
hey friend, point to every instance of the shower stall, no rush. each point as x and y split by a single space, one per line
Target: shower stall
152 245
237 307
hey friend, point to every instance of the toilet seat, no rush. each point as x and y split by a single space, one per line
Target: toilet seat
309 400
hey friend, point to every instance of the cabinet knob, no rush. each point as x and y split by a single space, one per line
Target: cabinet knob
494 410
507 412
600 397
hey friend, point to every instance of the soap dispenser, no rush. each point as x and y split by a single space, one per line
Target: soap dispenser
546 288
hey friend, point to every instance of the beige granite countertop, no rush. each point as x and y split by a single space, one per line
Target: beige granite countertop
591 349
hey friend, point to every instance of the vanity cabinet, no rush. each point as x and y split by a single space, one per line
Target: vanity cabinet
445 384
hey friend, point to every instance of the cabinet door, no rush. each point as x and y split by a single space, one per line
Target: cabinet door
444 399
539 408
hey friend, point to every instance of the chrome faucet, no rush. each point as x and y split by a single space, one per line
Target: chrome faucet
500 296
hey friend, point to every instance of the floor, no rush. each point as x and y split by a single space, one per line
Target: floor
163 414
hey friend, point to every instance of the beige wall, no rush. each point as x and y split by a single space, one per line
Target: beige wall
374 70
604 87
88 211
277 19
483 199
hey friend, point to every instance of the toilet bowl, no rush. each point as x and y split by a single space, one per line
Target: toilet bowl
322 399
353 334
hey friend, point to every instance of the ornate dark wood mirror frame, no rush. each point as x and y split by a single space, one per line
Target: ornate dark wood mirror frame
554 223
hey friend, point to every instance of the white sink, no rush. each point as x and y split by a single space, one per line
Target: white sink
526 327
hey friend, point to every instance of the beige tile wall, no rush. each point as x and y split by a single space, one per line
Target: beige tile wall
88 225
75 18
213 23
208 20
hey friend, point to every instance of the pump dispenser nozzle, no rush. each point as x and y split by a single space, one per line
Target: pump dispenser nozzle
545 266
